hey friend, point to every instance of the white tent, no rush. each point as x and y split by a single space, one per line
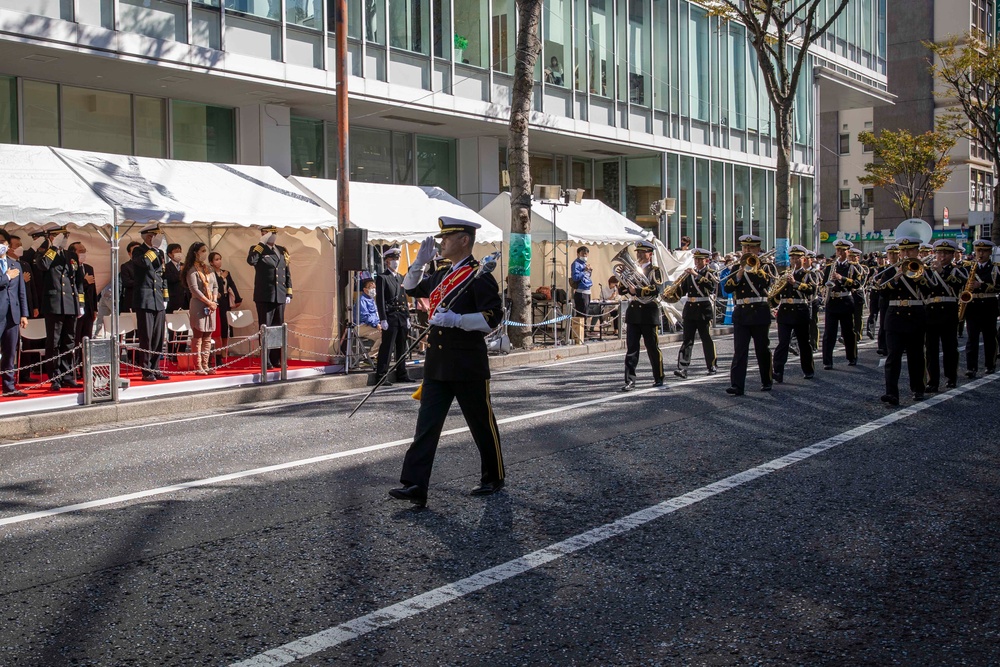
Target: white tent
37 187
397 213
590 222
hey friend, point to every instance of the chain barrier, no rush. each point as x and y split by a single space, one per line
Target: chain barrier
511 323
231 362
55 378
302 335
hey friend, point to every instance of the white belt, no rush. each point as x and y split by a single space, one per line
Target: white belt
794 301
583 290
836 295
752 299
984 296
696 299
906 302
941 299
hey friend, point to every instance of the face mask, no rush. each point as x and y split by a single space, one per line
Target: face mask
370 293
14 252
176 257
203 257
393 264
3 249
82 257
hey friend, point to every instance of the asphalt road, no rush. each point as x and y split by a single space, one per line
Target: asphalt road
811 525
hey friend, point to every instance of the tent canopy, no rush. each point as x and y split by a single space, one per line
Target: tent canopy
397 213
144 189
37 187
591 221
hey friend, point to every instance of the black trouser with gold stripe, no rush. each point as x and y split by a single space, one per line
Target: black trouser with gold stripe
436 397
942 343
801 331
647 334
984 325
703 328
845 321
742 335
910 343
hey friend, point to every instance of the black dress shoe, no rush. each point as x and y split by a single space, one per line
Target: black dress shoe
971 374
713 370
852 363
779 378
991 371
931 389
55 386
766 387
681 374
827 367
882 353
149 377
808 376
918 396
161 375
628 386
890 399
405 378
486 488
71 384
16 394
951 384
735 391
414 494
658 383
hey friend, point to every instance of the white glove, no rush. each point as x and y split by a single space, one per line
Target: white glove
62 241
384 324
288 300
426 253
474 322
269 238
445 319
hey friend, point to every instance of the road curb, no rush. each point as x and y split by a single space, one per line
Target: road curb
57 421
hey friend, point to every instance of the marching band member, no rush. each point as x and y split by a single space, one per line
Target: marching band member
699 285
809 263
892 258
794 302
981 313
751 318
905 321
854 257
642 317
840 277
946 280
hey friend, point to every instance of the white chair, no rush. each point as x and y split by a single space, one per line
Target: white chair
178 324
240 319
37 331
126 325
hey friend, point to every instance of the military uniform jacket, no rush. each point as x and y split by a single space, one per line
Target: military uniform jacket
149 287
904 299
841 294
699 289
33 285
643 313
61 282
390 298
272 280
795 303
750 297
453 354
941 293
984 298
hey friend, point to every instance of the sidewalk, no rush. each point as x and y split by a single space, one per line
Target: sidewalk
52 419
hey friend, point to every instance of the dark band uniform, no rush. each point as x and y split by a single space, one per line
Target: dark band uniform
794 316
859 293
272 286
642 317
840 305
394 309
149 297
456 366
816 303
698 315
61 302
905 328
941 303
981 315
751 321
877 279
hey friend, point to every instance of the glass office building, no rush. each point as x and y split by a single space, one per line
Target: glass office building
634 100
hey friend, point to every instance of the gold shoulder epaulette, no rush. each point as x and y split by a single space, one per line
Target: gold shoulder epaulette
51 254
151 255
258 248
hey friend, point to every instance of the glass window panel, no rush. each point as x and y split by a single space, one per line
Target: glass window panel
203 133
266 9
607 182
639 69
672 221
436 163
408 25
685 204
752 92
471 36
582 176
717 211
8 110
150 126
683 80
703 211
41 113
362 15
542 170
674 44
371 155
444 38
402 157
766 210
643 186
602 75
581 39
307 147
741 203
661 63
803 108
308 13
806 205
738 78
794 214
699 63
557 36
723 95
503 28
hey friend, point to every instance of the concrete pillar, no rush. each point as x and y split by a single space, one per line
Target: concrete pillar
265 137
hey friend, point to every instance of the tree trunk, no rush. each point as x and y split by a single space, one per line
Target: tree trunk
519 286
782 183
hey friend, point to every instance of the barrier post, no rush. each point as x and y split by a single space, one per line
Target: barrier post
98 360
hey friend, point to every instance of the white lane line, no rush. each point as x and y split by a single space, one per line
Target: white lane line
387 616
184 486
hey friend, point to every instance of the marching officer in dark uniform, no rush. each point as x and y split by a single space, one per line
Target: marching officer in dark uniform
854 256
794 303
85 323
699 285
642 317
811 264
149 301
945 281
62 303
751 318
892 258
465 306
272 284
981 313
394 316
840 278
905 322
875 266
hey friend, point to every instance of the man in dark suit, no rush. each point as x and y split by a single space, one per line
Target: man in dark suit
85 323
149 300
172 272
126 280
13 314
272 285
61 277
394 317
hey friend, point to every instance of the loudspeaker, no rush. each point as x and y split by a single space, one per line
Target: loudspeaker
353 243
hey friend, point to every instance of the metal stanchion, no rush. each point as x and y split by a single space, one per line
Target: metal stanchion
263 354
284 352
273 338
98 360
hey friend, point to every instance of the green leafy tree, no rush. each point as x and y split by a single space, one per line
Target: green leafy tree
970 71
781 32
910 168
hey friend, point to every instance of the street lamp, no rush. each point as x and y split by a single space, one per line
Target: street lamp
862 207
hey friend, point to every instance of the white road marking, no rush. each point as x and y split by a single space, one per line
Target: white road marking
387 616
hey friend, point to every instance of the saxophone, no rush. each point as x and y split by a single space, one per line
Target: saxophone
779 284
965 296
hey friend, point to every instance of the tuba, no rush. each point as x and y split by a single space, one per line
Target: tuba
631 276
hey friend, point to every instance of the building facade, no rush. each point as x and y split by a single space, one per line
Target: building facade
635 100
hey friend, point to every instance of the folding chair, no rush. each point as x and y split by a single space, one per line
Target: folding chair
240 319
178 332
35 331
